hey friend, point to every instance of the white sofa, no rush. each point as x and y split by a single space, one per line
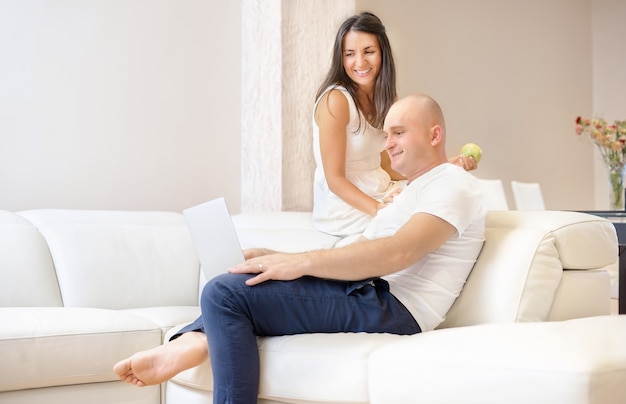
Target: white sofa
80 290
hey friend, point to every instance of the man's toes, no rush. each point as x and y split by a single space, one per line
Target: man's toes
122 368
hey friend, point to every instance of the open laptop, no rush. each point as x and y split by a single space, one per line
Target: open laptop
214 237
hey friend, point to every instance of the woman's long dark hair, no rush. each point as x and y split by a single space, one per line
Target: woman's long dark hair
385 86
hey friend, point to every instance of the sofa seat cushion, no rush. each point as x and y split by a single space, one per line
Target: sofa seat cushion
580 361
114 392
307 368
167 317
54 346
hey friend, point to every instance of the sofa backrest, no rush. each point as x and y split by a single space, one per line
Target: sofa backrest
525 262
27 276
532 266
120 259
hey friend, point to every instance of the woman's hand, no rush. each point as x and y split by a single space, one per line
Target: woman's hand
387 199
467 162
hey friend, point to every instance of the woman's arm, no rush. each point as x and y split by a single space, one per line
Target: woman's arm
332 116
467 162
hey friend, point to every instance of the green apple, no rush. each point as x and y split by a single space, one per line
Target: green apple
473 150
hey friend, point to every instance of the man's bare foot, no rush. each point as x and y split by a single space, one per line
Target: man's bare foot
156 365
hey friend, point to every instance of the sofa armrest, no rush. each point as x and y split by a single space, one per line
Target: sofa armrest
521 266
583 241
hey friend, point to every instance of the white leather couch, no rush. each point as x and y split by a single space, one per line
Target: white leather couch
80 290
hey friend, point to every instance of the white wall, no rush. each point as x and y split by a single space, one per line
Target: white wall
119 104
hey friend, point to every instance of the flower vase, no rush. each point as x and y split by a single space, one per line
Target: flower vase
616 193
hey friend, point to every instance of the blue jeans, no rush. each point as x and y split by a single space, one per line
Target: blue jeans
234 314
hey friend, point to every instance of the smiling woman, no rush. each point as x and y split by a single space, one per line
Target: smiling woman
350 182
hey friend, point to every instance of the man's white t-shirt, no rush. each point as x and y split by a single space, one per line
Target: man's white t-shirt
429 286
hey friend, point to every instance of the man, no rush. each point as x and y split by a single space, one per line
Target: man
401 277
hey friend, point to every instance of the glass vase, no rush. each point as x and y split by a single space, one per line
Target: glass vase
616 192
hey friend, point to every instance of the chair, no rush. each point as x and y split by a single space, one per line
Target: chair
495 199
527 195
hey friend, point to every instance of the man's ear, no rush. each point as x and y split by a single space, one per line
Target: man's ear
436 135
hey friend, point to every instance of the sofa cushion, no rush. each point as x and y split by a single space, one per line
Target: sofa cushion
498 288
167 317
55 346
93 393
27 276
521 266
329 368
580 361
119 260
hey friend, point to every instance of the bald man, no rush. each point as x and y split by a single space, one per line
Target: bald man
401 277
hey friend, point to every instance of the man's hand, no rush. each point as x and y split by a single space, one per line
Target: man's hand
276 266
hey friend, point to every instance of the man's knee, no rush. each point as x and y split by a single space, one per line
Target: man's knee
222 288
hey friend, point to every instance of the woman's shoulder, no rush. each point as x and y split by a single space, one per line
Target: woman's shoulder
337 100
336 92
337 97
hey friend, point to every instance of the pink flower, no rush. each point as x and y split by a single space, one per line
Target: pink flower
610 139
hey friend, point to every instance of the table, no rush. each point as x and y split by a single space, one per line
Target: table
618 218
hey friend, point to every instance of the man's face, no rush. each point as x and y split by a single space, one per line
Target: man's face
407 139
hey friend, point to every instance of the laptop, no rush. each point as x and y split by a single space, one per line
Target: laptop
214 237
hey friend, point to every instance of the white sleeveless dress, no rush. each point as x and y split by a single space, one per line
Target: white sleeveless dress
330 213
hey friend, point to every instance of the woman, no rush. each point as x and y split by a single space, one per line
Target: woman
353 178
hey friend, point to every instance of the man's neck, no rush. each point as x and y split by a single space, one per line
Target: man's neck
426 169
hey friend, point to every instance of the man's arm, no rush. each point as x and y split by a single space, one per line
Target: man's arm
422 234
